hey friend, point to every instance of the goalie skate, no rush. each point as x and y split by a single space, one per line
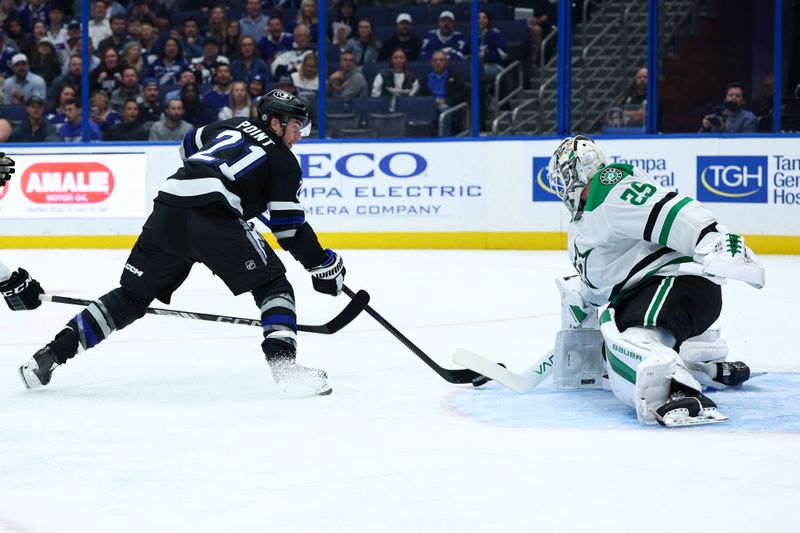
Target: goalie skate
688 408
299 380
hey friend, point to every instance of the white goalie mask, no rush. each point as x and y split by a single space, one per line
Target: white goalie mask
573 164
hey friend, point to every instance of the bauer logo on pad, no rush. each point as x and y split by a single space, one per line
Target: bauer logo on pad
541 187
732 179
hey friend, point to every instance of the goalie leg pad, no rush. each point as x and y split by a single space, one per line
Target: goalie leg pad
578 361
641 367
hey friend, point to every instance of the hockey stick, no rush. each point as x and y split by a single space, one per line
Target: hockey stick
453 376
353 308
520 383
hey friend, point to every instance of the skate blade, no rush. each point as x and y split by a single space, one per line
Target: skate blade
29 378
302 391
672 422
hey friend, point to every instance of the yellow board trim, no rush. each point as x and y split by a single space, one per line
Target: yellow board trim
763 244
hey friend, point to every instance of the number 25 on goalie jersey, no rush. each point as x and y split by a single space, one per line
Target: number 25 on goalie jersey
632 228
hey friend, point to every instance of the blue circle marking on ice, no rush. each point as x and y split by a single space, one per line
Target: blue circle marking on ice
767 403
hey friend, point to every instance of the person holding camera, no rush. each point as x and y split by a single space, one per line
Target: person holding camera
731 116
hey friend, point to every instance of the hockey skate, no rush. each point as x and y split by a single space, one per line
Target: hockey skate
38 371
720 375
688 407
298 380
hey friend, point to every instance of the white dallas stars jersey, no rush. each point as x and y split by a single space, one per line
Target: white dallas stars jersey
630 229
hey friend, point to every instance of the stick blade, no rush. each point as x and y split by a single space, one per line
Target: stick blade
520 383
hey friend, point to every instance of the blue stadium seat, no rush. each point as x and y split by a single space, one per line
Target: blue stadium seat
336 105
13 112
462 68
370 70
385 32
497 11
378 15
460 11
364 106
420 68
177 17
420 112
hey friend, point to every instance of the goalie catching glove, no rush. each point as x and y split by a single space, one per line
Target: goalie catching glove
21 291
6 169
725 255
328 278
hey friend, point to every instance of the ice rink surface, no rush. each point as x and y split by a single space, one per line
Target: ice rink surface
175 425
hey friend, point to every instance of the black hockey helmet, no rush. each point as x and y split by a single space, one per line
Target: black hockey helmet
285 106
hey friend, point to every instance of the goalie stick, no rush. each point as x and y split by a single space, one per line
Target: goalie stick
457 376
520 383
353 308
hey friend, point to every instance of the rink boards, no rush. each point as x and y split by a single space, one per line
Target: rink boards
468 194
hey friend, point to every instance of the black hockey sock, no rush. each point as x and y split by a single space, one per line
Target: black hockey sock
96 322
278 319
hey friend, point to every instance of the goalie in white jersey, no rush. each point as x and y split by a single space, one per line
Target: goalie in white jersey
653 257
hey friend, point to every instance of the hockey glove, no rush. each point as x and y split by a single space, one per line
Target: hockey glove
725 255
575 312
6 169
328 277
21 291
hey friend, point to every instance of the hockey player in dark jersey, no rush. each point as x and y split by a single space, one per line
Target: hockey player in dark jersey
233 170
19 289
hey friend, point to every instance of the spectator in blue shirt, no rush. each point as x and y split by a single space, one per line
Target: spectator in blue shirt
33 11
168 67
733 117
192 42
248 64
451 42
23 84
446 87
219 95
274 41
6 53
254 21
71 131
493 50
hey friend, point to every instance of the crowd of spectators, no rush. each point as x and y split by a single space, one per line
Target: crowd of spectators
190 62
